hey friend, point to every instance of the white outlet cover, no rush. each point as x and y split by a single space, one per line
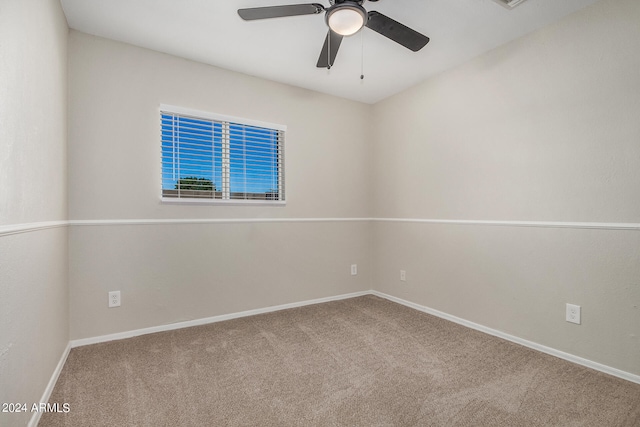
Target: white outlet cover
573 313
114 299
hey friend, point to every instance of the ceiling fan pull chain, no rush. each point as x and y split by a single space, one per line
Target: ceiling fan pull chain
329 50
362 56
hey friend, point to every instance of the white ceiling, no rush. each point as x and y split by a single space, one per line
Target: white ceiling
287 49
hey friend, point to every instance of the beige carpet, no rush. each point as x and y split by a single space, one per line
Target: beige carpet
358 362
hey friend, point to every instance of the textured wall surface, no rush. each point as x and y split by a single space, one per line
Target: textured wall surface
33 63
542 129
114 135
174 272
33 265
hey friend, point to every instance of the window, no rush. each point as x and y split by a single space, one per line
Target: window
207 157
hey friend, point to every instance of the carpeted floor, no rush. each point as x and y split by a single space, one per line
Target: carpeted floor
358 362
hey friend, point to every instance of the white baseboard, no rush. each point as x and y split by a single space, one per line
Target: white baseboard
530 344
197 322
207 320
35 418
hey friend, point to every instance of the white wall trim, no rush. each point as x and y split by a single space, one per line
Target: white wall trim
208 221
539 224
207 320
35 418
6 230
530 344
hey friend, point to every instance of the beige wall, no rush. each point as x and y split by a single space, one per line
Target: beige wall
33 64
114 149
174 272
542 129
33 264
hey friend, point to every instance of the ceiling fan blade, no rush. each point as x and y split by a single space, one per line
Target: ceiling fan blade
332 42
397 32
280 11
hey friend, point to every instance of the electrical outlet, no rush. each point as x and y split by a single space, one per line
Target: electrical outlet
114 299
573 313
354 269
403 276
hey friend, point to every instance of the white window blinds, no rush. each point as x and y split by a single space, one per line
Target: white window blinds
205 158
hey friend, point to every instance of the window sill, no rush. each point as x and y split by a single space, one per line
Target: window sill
218 202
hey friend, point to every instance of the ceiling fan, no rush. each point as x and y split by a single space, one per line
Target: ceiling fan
344 18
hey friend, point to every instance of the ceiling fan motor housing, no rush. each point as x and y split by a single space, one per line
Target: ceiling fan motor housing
333 2
346 17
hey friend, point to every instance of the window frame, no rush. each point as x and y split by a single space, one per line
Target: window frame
198 114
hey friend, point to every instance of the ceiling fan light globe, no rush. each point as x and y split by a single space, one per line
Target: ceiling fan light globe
346 20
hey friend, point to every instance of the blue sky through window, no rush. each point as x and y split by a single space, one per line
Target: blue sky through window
193 147
253 160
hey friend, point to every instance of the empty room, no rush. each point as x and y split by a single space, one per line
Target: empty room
342 213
